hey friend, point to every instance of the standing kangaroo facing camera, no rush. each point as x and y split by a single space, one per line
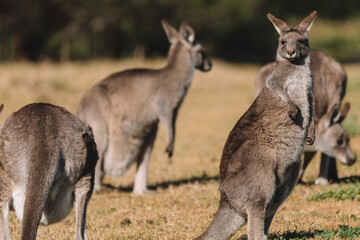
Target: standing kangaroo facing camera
332 140
124 109
261 158
47 160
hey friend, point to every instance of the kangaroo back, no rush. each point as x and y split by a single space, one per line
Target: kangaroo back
47 152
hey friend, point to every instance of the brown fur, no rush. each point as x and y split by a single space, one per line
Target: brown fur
262 155
329 89
47 156
124 109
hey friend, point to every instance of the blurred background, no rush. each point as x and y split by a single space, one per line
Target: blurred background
238 31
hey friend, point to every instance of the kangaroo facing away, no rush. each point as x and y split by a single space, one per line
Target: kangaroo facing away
262 155
329 89
124 109
47 160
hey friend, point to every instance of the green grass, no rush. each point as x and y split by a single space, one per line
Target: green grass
351 192
343 232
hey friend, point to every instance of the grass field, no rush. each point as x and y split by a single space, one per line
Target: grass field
187 188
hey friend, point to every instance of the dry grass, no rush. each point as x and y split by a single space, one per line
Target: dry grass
187 188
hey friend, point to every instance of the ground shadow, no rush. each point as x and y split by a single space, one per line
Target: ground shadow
296 234
289 235
164 185
351 179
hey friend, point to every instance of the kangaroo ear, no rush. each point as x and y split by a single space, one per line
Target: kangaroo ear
1 107
332 115
279 25
171 32
187 34
344 110
306 24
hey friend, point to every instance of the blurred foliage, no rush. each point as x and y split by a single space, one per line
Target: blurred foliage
231 30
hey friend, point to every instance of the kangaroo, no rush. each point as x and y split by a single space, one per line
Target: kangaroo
262 156
124 109
47 160
332 141
329 89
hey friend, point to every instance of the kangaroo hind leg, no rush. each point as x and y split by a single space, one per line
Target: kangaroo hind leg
226 222
5 197
40 180
143 160
256 223
84 187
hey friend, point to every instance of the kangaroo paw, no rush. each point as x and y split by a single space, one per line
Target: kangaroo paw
310 138
293 112
169 150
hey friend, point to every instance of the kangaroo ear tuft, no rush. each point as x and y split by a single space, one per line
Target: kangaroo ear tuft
187 33
306 24
280 26
170 31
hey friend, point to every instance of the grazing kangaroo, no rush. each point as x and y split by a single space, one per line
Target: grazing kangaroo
47 160
329 89
124 109
262 156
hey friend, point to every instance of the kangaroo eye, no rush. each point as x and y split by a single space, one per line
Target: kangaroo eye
340 142
283 42
300 41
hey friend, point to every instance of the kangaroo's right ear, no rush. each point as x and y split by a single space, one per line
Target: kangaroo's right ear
187 33
1 107
279 25
171 32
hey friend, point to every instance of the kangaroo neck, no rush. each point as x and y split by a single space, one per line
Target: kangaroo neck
179 58
179 70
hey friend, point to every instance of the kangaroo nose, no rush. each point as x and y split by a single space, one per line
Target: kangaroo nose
352 161
291 51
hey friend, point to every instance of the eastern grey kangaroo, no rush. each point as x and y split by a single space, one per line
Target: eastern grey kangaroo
124 109
47 160
262 155
331 140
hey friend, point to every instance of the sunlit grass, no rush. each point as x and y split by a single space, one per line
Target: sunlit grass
188 186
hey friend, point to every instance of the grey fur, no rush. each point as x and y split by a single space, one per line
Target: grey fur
47 160
124 109
262 155
329 89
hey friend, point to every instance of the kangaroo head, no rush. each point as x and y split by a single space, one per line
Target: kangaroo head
186 38
293 41
332 138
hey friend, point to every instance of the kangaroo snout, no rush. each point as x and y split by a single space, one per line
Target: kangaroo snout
291 52
351 160
207 65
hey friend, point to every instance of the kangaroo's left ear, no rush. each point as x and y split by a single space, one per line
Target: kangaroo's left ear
344 110
1 107
187 34
306 24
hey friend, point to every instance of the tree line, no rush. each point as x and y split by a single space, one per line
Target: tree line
233 30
